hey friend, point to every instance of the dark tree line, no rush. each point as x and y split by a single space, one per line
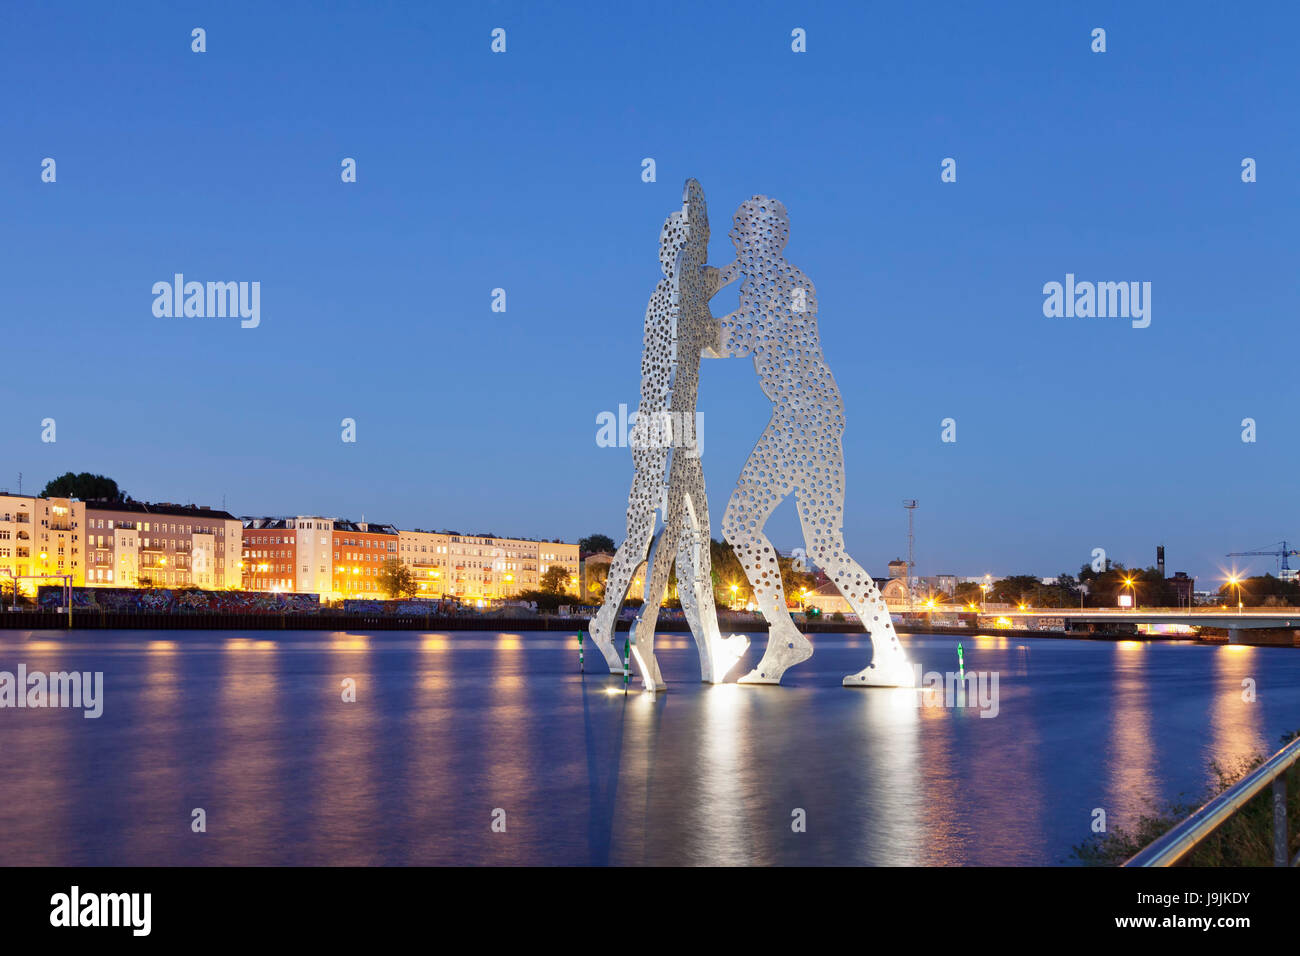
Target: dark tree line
85 486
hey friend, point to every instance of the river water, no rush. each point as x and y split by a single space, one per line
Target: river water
468 748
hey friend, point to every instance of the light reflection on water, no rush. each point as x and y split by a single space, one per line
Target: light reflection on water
449 728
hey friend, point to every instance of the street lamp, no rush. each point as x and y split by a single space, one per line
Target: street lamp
1128 583
1234 581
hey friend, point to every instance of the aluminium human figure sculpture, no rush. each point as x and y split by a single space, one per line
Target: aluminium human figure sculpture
666 454
800 451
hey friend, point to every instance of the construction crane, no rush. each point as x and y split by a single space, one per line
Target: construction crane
1281 551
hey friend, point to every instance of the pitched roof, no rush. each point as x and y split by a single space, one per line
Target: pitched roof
166 508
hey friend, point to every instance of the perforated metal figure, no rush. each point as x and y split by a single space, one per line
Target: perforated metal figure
799 452
666 454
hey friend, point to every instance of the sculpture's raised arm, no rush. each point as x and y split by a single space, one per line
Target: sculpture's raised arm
721 340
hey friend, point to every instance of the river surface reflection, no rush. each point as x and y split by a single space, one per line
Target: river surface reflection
450 731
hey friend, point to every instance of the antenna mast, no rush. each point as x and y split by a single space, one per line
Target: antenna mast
910 505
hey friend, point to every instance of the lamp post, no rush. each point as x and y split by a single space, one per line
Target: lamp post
1234 581
1128 583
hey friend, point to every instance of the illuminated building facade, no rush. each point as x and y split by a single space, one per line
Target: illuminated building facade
134 544
289 554
426 554
41 536
359 551
482 568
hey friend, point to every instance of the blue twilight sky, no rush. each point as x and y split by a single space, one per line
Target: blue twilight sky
523 171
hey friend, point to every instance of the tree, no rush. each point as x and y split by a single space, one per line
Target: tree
396 579
544 600
597 578
727 571
967 592
1104 586
8 588
555 580
1146 585
1064 593
1016 589
85 486
1264 590
1152 588
596 542
794 582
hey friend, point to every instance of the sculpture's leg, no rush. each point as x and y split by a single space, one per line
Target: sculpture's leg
688 589
606 619
642 636
642 505
762 485
695 583
658 568
820 497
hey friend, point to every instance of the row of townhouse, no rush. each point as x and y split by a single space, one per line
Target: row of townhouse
312 554
134 544
315 554
482 567
126 544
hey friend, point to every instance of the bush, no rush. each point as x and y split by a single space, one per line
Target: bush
1246 839
545 600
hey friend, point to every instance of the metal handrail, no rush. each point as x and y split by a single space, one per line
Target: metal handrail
1182 839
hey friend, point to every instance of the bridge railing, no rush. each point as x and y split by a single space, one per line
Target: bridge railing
1182 839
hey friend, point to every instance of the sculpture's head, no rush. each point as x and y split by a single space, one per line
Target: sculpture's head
761 225
672 239
696 211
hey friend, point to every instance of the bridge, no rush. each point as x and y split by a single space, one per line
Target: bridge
1233 621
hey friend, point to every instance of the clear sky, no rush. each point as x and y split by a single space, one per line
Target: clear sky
522 171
